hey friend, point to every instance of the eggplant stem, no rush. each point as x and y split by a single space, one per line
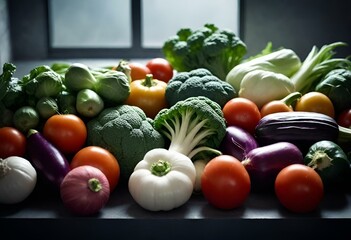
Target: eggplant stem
320 161
94 185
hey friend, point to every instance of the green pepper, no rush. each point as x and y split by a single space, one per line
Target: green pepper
329 160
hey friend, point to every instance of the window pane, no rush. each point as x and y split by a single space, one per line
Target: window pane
90 23
163 18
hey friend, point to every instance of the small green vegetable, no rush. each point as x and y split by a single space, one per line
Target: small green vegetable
78 77
193 126
208 47
46 107
25 118
127 133
198 82
67 102
329 160
337 86
42 81
113 86
89 103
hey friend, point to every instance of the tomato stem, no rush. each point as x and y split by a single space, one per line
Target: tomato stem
4 168
148 82
160 168
94 184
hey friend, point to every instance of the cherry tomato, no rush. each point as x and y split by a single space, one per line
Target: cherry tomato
100 158
315 102
242 112
344 118
67 132
275 106
148 94
12 142
160 68
299 188
225 182
138 70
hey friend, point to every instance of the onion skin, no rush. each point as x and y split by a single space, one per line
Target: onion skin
264 163
237 142
46 158
79 196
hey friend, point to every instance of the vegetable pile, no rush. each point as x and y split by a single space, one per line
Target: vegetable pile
205 120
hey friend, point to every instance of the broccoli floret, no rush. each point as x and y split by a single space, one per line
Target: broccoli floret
194 126
218 50
127 133
198 82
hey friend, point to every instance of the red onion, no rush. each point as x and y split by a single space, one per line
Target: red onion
85 190
237 142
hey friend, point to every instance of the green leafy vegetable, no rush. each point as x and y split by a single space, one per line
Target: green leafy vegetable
316 65
337 86
208 47
7 72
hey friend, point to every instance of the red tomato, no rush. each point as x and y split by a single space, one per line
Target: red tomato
225 182
100 158
299 188
67 132
138 71
160 68
242 112
344 118
12 142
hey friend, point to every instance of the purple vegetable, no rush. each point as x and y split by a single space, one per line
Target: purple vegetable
264 163
46 158
237 142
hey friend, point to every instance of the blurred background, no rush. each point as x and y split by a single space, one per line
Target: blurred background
41 30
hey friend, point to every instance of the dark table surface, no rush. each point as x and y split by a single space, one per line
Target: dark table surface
44 215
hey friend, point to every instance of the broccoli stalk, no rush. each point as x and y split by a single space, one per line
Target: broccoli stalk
193 125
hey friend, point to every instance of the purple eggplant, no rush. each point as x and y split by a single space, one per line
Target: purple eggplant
264 163
46 158
237 142
300 128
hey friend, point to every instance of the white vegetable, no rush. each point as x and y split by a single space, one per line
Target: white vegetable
199 167
284 61
17 179
163 180
262 86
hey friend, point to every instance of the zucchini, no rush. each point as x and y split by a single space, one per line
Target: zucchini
300 128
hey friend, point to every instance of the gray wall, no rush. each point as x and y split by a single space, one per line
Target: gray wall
5 43
292 24
297 24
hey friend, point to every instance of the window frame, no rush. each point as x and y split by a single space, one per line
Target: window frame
135 51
